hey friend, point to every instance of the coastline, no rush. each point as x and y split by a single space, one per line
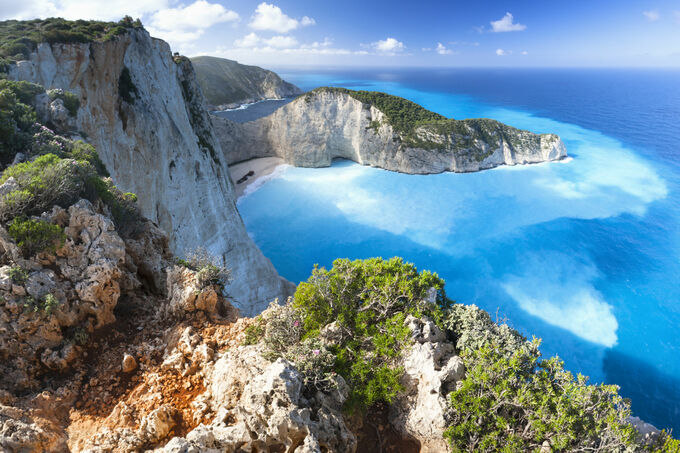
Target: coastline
263 168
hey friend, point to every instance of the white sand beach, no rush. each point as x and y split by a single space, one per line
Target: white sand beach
261 167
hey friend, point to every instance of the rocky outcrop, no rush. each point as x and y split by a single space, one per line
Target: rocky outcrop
144 113
326 124
48 305
227 83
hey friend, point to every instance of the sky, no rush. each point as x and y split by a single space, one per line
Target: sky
280 33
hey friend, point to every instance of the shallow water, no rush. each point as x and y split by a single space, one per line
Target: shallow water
582 253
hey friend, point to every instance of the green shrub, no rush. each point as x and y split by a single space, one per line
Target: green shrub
35 236
367 301
18 274
209 271
17 121
23 90
516 403
254 332
45 306
43 183
71 101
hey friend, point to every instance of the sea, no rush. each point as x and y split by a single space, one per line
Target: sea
583 253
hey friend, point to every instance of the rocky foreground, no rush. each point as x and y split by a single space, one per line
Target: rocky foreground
381 131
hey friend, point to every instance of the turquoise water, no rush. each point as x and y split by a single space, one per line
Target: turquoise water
582 253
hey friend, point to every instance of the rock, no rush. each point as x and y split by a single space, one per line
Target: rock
545 447
431 371
648 432
151 148
129 364
323 125
8 186
157 424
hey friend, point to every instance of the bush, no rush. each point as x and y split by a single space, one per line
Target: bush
71 101
209 271
366 303
516 403
18 274
43 183
35 236
16 123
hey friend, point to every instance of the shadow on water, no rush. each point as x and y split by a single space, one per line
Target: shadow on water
655 396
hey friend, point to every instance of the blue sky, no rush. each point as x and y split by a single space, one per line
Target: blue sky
398 33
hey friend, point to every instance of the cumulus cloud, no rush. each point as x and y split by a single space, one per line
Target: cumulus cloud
651 15
389 46
442 50
187 23
500 52
282 44
270 17
251 41
506 23
78 9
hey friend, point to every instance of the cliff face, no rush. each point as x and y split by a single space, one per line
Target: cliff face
226 83
145 115
322 125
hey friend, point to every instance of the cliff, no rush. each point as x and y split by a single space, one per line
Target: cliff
145 114
381 131
226 83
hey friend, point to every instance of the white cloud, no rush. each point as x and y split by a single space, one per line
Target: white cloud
305 21
253 41
78 9
524 52
389 46
270 17
651 15
500 52
184 24
197 16
442 50
506 23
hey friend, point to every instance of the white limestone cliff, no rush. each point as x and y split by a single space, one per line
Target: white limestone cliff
327 124
145 114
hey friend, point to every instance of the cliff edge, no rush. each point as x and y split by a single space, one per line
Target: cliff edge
145 114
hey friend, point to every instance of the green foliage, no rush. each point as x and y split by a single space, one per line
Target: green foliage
414 124
367 302
209 270
254 332
19 38
510 398
24 91
17 120
18 274
43 183
35 236
80 336
45 306
70 100
126 87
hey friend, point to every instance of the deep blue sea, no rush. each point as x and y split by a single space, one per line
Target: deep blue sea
583 253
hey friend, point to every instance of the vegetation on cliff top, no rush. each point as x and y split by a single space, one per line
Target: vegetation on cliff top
418 127
54 170
19 38
350 321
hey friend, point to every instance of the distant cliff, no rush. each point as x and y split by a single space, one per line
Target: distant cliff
383 131
145 114
226 82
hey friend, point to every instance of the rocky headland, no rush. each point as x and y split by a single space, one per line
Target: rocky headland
382 131
226 84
